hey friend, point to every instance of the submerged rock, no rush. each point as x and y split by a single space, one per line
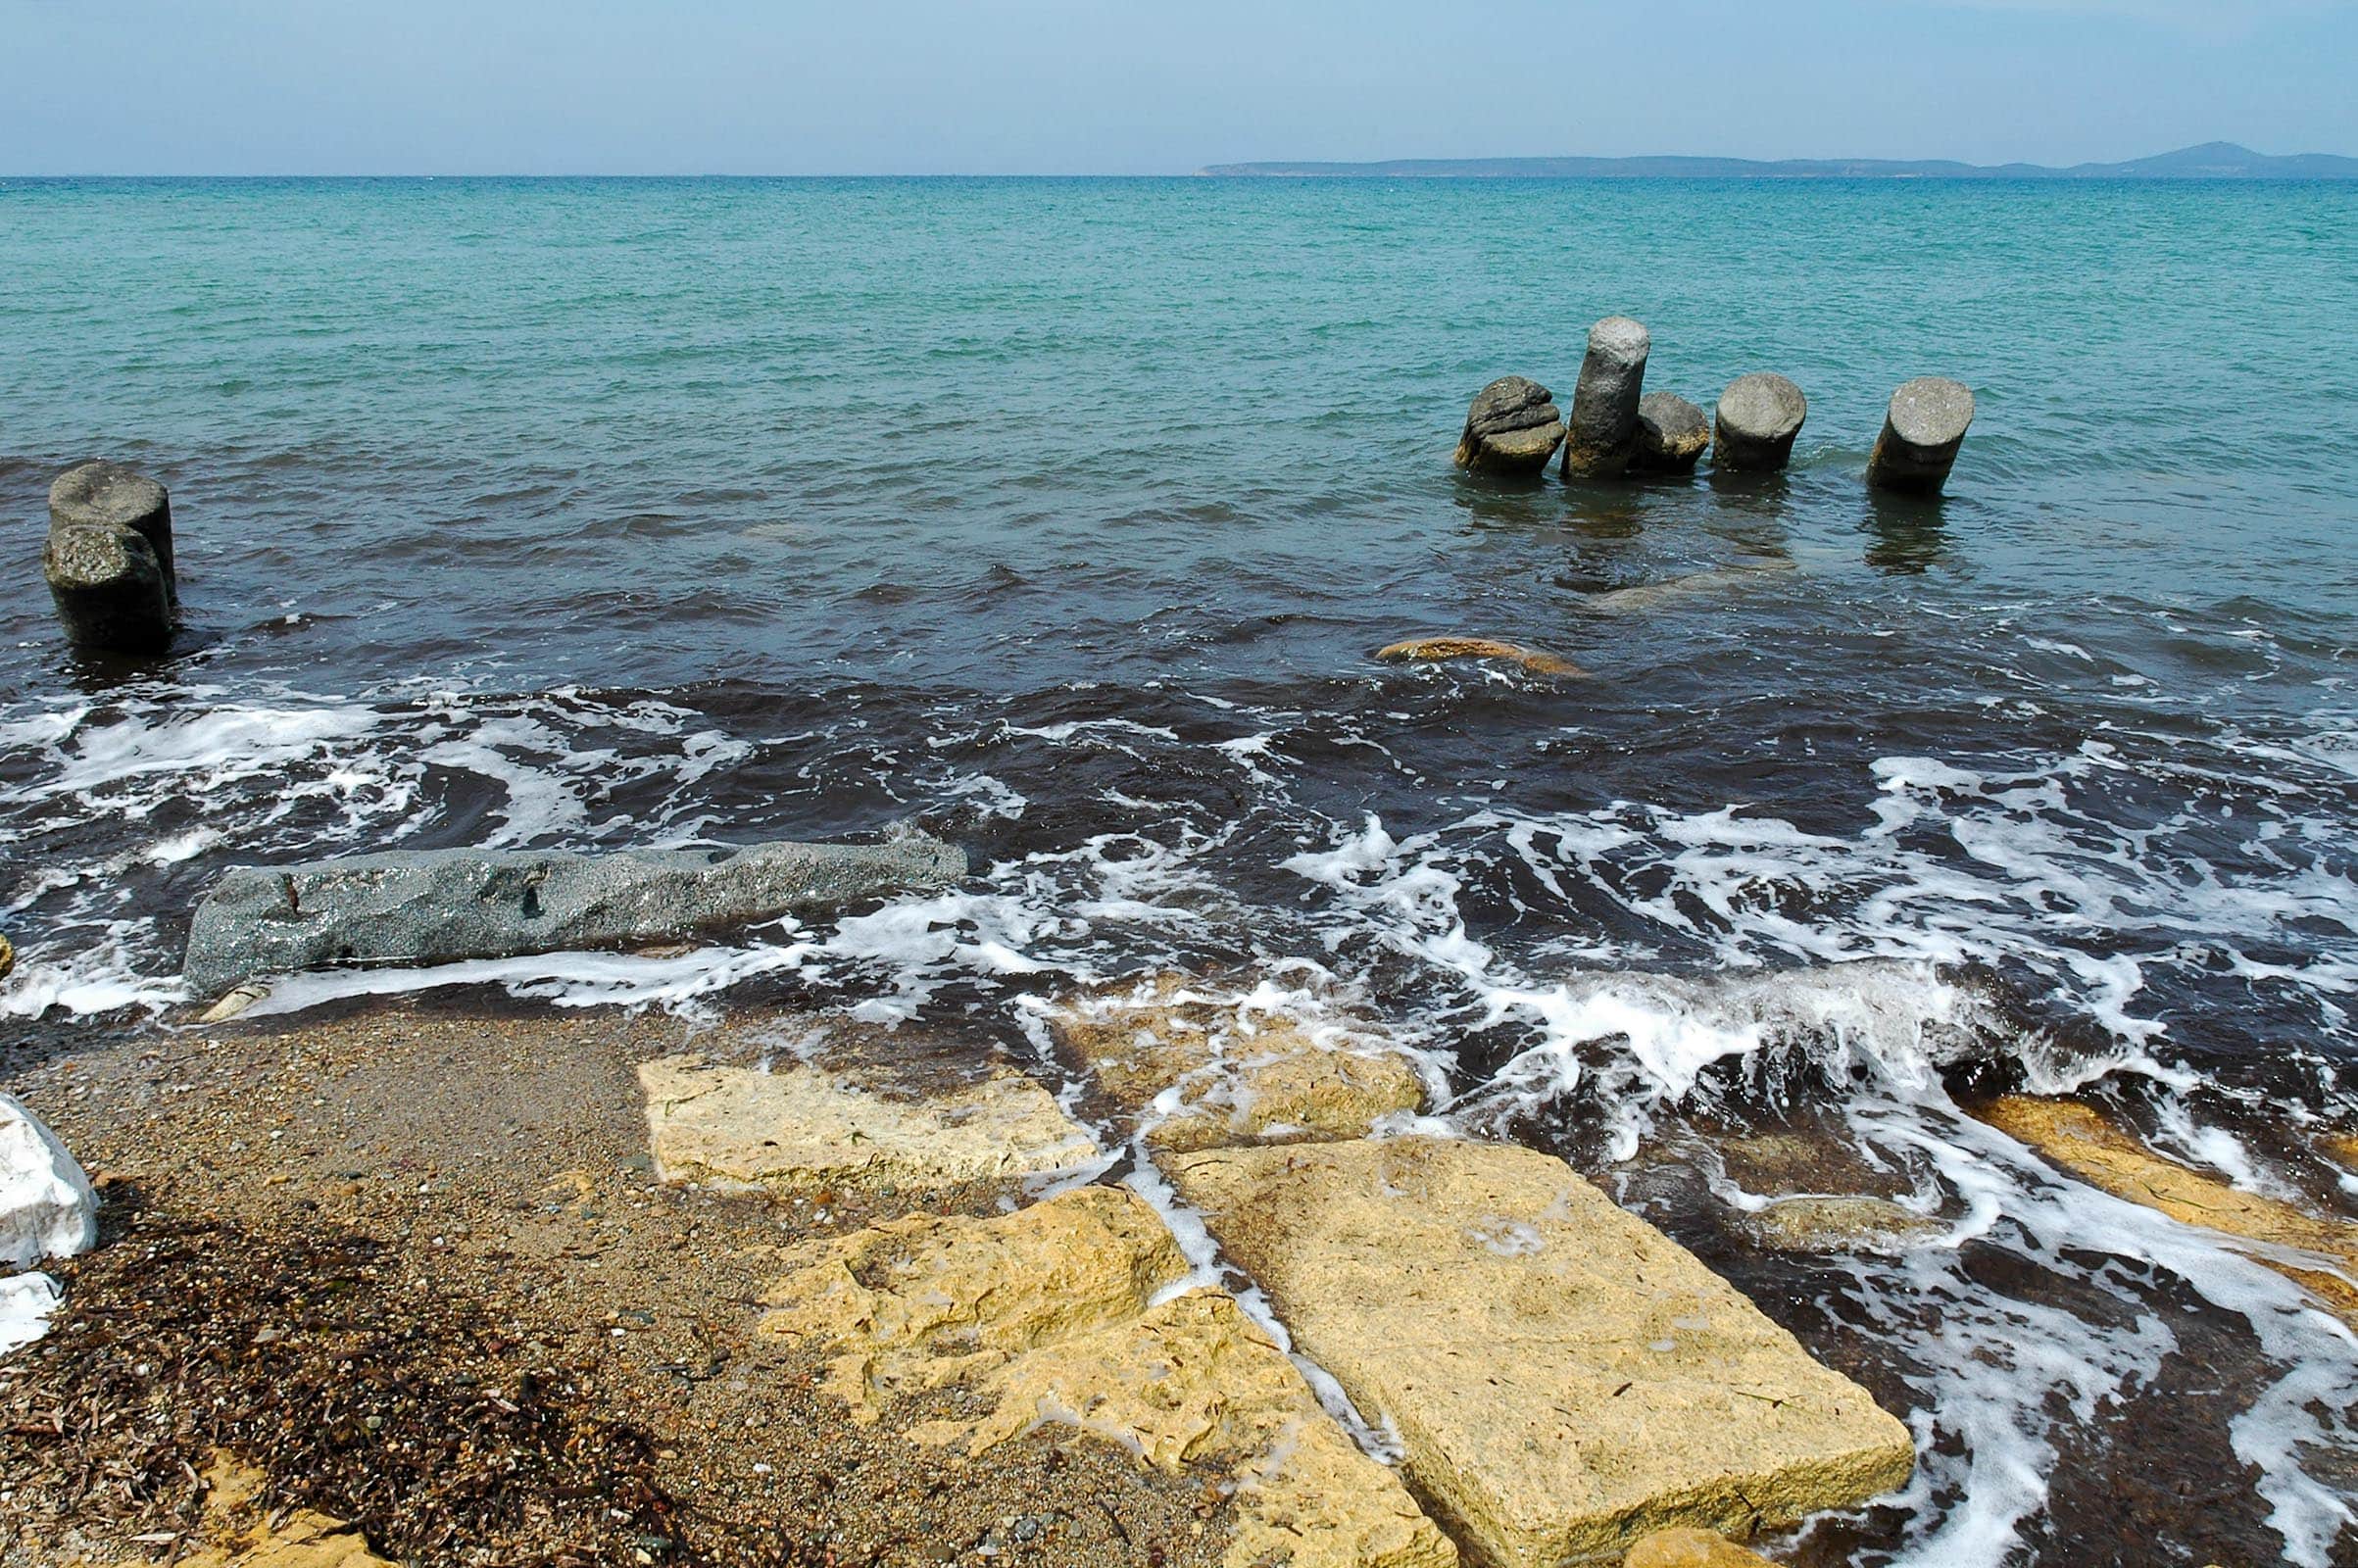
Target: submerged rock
1759 415
1563 1377
1672 435
1691 1548
804 1127
109 560
434 906
1200 1071
1512 427
47 1209
1603 434
1053 1316
2082 1141
1923 431
7 958
1429 649
1847 1223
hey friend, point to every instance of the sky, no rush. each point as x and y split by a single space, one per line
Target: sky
1093 86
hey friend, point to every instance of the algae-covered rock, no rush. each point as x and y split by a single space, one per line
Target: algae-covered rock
1430 649
1563 1377
1838 1223
1050 1316
437 906
2080 1140
803 1126
1200 1071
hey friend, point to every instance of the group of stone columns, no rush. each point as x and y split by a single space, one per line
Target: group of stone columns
1618 428
109 558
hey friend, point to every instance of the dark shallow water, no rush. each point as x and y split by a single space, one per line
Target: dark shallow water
1064 516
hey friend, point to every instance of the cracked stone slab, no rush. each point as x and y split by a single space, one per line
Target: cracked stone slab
1565 1378
1063 1315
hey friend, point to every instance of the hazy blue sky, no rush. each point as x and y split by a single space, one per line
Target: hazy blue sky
1069 85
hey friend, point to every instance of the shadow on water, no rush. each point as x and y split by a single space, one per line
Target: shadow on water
1906 535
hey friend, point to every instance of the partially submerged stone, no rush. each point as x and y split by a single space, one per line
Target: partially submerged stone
1693 587
802 1127
47 1209
1691 1548
1839 1223
1922 431
8 957
1759 415
1563 1377
1672 435
1428 650
1513 429
1200 1071
292 1538
2080 1140
437 906
109 558
1603 432
1052 1316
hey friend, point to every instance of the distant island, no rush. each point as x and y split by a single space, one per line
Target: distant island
2216 159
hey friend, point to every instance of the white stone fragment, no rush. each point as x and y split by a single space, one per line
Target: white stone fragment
26 1302
46 1206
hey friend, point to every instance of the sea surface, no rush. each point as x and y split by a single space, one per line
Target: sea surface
1063 516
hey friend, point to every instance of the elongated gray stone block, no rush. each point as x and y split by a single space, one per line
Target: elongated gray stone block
436 907
1604 429
1923 431
1512 427
1758 417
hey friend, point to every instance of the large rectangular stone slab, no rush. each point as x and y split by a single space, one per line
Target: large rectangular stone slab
1563 1377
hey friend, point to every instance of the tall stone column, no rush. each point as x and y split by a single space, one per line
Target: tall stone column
1603 429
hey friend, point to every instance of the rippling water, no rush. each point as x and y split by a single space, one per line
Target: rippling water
1064 514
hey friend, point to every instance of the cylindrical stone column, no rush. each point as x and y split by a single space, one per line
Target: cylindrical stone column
110 496
1604 429
110 588
1672 434
1759 415
1512 427
1921 434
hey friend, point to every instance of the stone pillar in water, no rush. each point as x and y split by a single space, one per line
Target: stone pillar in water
109 561
1512 427
1759 415
1921 434
1672 434
1603 432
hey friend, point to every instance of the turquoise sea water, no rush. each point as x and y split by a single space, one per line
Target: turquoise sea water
1065 514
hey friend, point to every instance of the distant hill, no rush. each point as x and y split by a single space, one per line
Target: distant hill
2216 159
